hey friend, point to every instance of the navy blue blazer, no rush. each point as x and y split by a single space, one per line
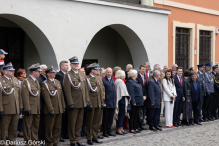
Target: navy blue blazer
154 94
197 94
110 92
135 91
144 86
179 89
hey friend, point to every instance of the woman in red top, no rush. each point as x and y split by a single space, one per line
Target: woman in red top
115 69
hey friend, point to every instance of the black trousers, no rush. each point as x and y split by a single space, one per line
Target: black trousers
214 105
152 116
177 110
107 121
195 108
206 108
200 107
41 132
64 131
134 113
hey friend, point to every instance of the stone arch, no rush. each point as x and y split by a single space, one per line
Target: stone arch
44 47
134 43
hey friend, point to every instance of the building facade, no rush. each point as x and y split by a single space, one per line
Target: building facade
108 32
192 31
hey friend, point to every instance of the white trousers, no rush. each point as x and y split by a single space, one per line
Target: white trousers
169 113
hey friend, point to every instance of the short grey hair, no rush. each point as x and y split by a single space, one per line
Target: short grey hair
174 65
148 64
43 66
120 74
128 66
156 66
132 73
103 71
156 73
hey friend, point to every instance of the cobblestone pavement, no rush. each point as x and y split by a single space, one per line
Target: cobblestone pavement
204 135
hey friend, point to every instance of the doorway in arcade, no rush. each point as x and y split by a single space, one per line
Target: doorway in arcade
109 49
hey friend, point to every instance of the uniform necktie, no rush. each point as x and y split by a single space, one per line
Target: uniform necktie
180 80
147 77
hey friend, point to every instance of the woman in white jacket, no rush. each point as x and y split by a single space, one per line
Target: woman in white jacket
169 95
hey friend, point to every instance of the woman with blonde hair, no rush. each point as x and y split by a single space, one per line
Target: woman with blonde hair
128 68
122 100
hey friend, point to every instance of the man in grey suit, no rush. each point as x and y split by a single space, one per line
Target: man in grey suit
154 100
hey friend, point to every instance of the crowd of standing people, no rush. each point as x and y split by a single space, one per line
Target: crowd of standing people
53 106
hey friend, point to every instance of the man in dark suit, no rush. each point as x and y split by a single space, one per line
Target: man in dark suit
142 80
178 79
59 76
154 101
40 79
197 88
148 70
216 89
110 101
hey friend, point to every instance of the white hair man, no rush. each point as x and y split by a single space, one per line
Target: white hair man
174 67
154 101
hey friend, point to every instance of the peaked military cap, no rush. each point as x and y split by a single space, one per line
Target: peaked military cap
8 66
35 67
74 60
94 66
50 69
201 65
2 51
215 66
208 64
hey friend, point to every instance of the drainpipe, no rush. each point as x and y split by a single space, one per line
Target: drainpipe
147 2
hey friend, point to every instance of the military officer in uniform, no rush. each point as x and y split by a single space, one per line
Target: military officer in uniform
97 100
30 93
216 89
201 77
208 99
54 107
10 104
77 96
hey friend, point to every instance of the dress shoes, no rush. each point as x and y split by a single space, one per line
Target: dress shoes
121 133
133 131
175 125
159 125
152 129
158 128
205 120
100 137
20 135
143 128
179 124
80 144
198 123
209 119
105 135
111 134
90 142
82 135
189 124
137 131
201 120
192 123
61 140
73 144
97 141
124 132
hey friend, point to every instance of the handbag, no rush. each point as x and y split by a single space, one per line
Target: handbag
140 115
129 107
